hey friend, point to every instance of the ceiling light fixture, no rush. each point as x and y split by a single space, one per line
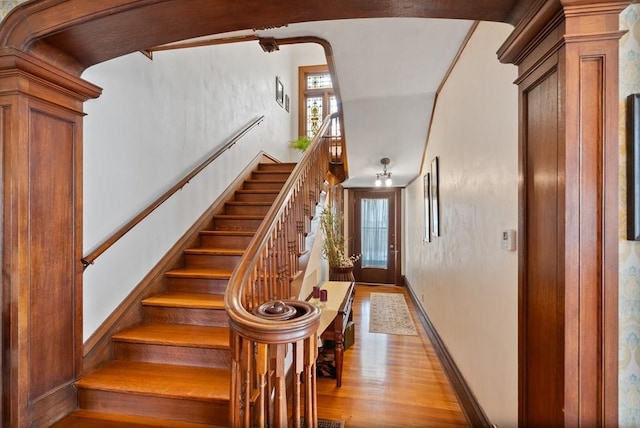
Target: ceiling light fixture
384 175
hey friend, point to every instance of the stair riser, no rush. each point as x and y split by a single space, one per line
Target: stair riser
255 197
277 167
247 209
262 185
158 407
191 316
162 354
236 224
196 285
270 175
211 261
233 242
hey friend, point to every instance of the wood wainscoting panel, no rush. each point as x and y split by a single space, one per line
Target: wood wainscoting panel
51 285
41 137
568 265
542 318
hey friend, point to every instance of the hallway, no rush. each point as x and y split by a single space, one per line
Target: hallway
389 380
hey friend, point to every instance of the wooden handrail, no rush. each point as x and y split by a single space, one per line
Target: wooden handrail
259 346
104 246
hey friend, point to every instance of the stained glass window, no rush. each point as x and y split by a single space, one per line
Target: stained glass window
314 115
318 100
319 81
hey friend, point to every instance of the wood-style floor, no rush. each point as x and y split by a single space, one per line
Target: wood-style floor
389 380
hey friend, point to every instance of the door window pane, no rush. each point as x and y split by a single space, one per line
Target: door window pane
314 119
375 232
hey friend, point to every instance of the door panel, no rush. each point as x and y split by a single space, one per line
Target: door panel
375 229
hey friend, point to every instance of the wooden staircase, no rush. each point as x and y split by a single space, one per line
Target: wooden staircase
173 369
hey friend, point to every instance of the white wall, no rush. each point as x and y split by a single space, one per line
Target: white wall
467 282
154 122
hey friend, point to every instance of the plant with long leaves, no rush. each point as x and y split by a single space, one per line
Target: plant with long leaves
333 244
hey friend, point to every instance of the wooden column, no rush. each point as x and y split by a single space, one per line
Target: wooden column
567 55
41 136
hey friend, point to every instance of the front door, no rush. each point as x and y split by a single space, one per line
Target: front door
376 235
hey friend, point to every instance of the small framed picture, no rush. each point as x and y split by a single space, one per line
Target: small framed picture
435 197
286 102
427 207
279 92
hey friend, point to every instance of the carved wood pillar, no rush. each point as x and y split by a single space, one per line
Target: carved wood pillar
567 56
41 136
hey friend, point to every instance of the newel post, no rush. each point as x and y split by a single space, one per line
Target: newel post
41 136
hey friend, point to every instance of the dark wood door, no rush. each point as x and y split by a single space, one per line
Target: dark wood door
375 228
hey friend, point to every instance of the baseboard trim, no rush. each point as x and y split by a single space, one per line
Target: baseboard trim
472 410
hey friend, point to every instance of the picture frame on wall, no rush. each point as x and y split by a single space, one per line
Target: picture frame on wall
435 197
427 207
286 102
279 92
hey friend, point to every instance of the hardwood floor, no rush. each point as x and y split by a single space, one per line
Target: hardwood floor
389 380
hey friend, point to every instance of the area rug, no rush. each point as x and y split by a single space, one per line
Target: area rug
389 314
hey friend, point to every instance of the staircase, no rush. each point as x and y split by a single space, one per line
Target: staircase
173 369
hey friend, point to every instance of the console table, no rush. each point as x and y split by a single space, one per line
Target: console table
335 315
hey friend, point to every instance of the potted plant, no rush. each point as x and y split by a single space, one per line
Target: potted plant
340 265
301 143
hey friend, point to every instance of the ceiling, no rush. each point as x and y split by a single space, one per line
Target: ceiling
388 70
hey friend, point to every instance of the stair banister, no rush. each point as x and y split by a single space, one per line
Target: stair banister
107 243
260 346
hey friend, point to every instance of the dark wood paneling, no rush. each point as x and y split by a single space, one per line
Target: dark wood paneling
78 33
569 213
51 202
542 329
42 240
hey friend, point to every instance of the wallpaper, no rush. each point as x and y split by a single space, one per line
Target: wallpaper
7 5
629 285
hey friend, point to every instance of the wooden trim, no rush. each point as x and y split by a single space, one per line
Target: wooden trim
302 72
97 349
355 193
77 34
473 412
202 42
575 47
463 46
533 26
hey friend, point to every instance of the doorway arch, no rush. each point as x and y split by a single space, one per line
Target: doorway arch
47 44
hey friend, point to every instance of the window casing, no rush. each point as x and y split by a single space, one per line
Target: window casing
317 100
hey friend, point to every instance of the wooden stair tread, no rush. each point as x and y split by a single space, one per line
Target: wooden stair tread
87 418
215 251
266 180
260 191
249 204
278 164
160 380
238 217
186 300
228 232
201 273
176 335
